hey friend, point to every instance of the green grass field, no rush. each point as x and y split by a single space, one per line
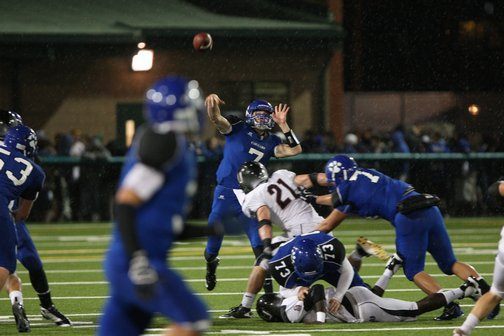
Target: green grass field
73 255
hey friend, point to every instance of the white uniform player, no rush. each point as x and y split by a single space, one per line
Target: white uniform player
359 305
293 215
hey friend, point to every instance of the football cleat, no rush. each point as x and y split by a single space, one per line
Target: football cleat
56 316
237 312
22 323
451 311
471 289
211 278
394 263
458 332
366 248
493 314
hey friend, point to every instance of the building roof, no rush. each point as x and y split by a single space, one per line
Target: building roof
118 21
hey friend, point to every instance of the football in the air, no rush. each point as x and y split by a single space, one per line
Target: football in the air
202 42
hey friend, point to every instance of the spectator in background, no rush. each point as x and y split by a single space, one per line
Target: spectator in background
438 144
77 149
399 145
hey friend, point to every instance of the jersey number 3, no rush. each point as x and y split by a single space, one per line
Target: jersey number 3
24 172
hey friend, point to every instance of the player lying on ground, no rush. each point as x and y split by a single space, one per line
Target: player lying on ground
275 200
417 221
246 140
359 304
27 254
156 186
491 299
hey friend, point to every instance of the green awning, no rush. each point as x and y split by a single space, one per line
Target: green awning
118 21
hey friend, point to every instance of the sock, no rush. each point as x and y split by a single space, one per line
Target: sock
452 295
384 279
16 296
321 317
248 300
355 255
483 285
469 324
210 257
45 299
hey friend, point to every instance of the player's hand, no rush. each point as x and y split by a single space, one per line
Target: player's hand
303 291
334 306
143 276
266 256
307 196
212 100
280 114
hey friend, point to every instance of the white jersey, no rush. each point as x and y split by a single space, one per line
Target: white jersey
293 215
363 306
498 275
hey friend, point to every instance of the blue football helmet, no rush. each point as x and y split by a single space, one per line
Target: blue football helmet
308 260
261 120
340 167
174 104
23 139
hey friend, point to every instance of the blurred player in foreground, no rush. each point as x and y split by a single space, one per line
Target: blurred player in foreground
249 140
306 261
20 181
156 185
491 300
418 223
27 254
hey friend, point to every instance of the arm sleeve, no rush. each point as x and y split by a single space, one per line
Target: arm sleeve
288 292
144 180
160 150
346 277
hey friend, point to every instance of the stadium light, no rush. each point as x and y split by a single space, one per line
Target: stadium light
143 59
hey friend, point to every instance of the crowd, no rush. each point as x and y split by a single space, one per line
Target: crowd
84 192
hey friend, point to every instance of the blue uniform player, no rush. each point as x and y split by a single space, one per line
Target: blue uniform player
307 258
20 181
27 253
248 140
156 185
417 221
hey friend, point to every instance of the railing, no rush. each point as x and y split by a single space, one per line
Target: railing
459 179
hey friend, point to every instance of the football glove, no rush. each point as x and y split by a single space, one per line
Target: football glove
266 254
307 196
142 275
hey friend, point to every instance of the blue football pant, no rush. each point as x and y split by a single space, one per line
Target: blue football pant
419 232
226 208
27 253
7 243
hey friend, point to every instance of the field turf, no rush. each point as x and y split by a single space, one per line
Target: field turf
73 255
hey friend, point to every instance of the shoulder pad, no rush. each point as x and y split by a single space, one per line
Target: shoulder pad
158 149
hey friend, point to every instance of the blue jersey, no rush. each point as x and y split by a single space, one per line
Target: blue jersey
369 193
282 268
19 177
243 144
158 217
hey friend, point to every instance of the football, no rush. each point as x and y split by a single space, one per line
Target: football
202 42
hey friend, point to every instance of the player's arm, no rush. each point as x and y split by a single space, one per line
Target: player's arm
311 180
212 103
496 194
265 233
345 279
293 146
332 221
298 291
23 210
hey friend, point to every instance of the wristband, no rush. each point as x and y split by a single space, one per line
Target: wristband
266 243
263 222
292 140
313 179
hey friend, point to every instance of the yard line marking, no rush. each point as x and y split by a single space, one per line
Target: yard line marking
290 332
